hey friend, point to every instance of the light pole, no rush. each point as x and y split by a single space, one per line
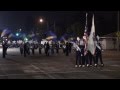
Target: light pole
47 25
118 32
41 21
54 27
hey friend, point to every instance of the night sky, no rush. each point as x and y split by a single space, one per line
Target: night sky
106 22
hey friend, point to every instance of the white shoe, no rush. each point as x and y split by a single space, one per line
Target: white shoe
79 65
95 65
83 65
102 65
90 65
75 65
87 65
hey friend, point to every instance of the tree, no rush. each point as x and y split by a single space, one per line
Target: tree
76 28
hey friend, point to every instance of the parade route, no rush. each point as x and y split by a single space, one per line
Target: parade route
57 66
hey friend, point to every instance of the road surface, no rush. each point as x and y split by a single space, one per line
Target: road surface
57 66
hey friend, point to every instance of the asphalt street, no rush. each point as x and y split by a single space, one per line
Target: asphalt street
57 66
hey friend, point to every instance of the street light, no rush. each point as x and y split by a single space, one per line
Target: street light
41 20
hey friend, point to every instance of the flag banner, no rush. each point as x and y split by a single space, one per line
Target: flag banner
85 36
50 35
5 32
91 40
11 35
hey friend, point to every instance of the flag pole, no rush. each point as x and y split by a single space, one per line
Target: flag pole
86 22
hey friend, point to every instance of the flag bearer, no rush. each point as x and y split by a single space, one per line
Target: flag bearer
98 51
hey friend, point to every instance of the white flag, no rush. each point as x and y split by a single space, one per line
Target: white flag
91 41
4 32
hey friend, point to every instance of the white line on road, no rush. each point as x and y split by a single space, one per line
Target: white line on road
43 71
115 65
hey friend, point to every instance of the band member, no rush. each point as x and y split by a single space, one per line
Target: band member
64 47
28 48
91 58
5 46
86 52
25 49
82 47
47 49
40 48
70 47
52 48
45 44
67 49
99 51
78 54
21 48
91 55
33 48
57 47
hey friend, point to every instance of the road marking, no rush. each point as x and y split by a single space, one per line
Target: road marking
50 76
43 71
108 70
35 67
115 65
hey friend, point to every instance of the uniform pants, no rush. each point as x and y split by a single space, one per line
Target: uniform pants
78 58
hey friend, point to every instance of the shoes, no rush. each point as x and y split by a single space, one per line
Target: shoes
95 65
87 65
79 65
102 65
75 65
90 65
83 65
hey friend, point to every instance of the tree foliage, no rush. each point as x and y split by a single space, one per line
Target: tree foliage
76 28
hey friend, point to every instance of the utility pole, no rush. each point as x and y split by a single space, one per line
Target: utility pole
118 33
54 27
47 25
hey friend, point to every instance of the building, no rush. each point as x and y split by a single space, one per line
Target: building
109 41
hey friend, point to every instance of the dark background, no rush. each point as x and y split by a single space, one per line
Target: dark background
105 21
